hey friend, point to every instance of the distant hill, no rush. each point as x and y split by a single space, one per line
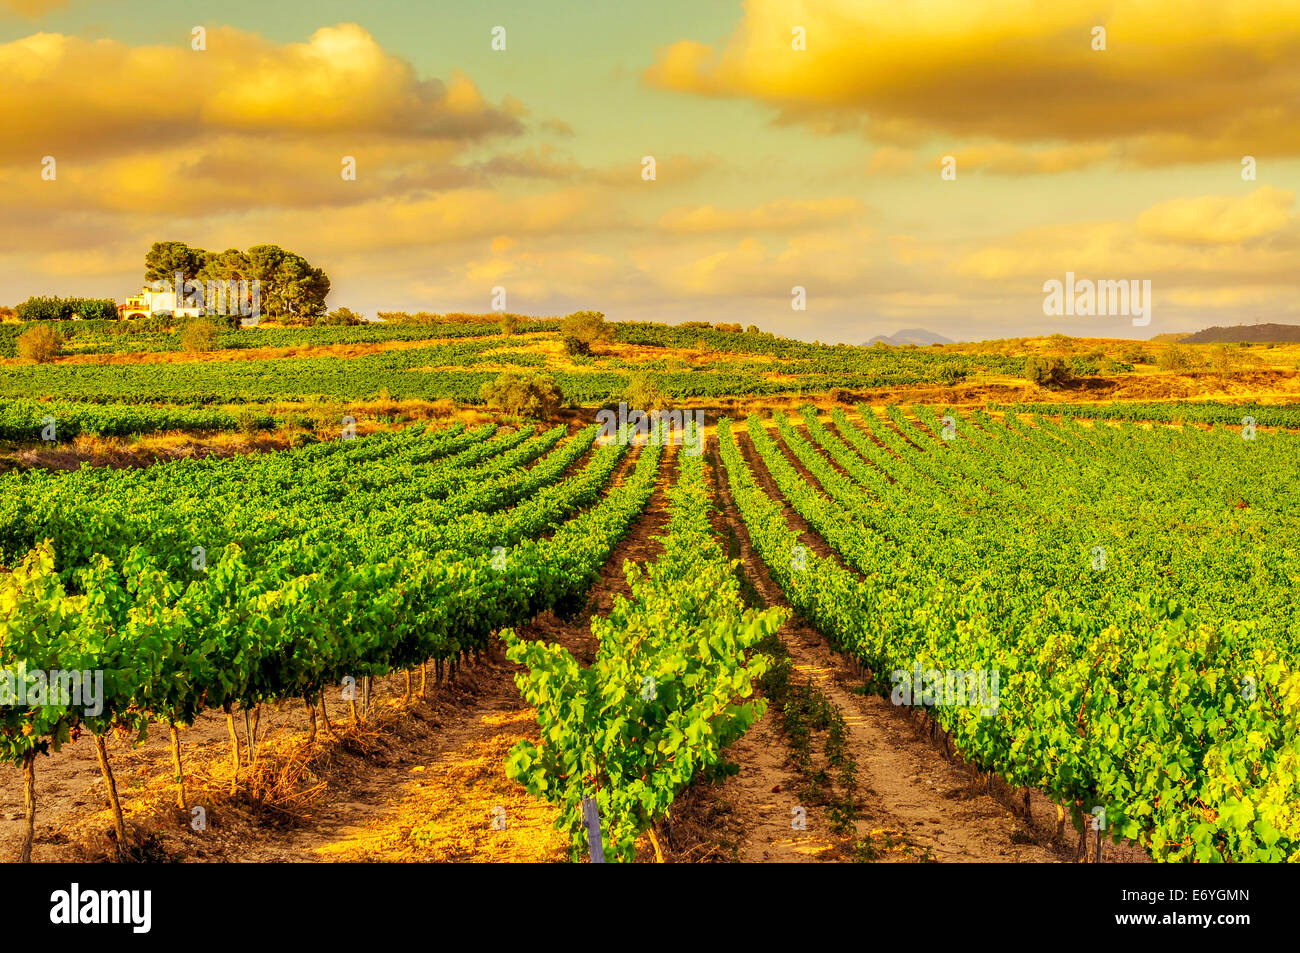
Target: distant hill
918 336
1279 333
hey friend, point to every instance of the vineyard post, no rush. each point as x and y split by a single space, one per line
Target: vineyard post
234 747
591 817
311 714
176 763
119 825
252 739
29 801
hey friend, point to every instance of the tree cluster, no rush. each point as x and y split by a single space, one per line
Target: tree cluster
293 291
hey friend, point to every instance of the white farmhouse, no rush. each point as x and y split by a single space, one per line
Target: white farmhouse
149 302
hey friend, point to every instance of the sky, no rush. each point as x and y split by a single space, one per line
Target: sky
910 163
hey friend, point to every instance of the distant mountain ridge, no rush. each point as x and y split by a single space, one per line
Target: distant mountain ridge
918 336
1251 333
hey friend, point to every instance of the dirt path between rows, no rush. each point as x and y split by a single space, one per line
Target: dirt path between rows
907 785
747 816
1044 818
464 788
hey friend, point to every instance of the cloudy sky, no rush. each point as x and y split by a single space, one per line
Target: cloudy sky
775 166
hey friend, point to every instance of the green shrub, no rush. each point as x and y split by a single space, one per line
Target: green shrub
249 421
57 309
1174 358
1046 371
219 321
341 317
951 373
1136 354
198 335
40 343
643 393
325 416
149 325
536 397
576 347
589 327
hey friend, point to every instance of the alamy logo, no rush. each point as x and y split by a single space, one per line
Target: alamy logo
1127 298
215 296
57 687
658 427
74 906
953 688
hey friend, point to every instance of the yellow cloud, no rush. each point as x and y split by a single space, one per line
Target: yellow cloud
1218 219
1204 241
530 277
548 162
32 8
669 170
909 250
225 174
445 218
245 125
542 162
89 261
891 160
1179 80
1198 299
340 81
783 215
1005 159
829 263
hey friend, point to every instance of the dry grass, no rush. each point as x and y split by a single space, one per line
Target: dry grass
138 451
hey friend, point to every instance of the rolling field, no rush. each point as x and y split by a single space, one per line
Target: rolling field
337 608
